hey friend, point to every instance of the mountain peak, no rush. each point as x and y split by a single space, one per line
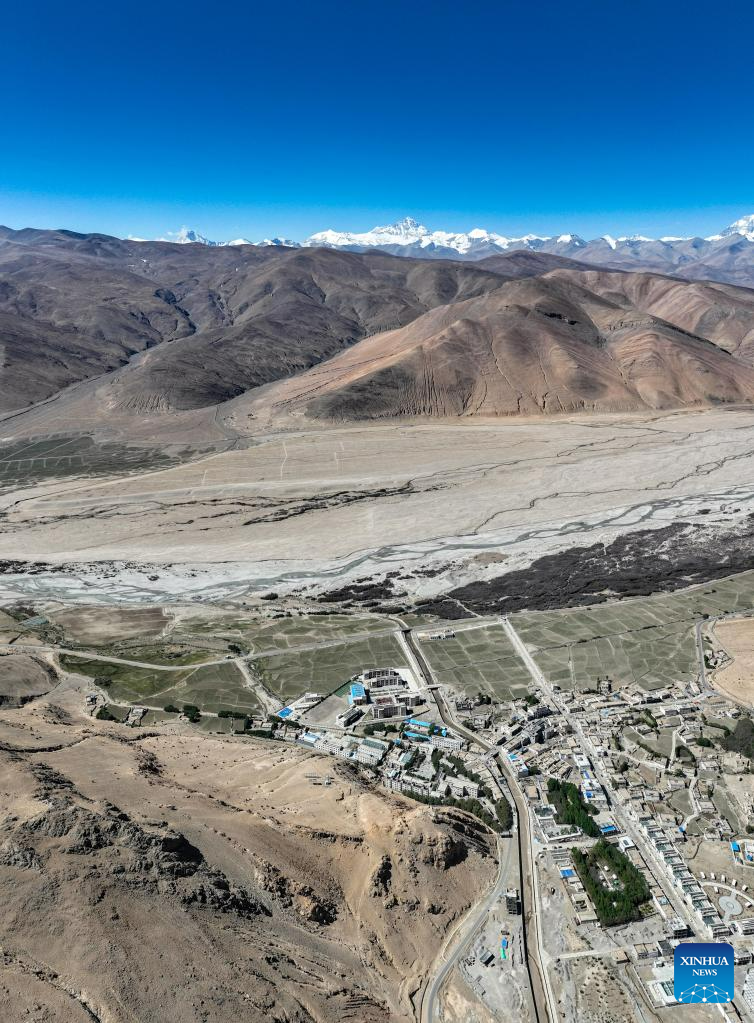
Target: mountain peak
409 224
744 226
408 237
187 236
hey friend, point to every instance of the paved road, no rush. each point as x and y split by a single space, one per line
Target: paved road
543 1007
700 654
647 850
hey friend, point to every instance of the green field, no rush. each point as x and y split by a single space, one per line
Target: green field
164 653
324 669
258 634
646 640
478 660
127 684
24 462
213 688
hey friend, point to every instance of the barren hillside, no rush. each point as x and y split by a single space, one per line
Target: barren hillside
166 877
157 329
217 321
563 342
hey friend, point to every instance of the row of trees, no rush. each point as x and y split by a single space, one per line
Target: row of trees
504 813
613 906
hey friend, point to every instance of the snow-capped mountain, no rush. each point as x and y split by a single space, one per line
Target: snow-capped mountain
727 256
282 242
408 234
744 227
187 236
409 238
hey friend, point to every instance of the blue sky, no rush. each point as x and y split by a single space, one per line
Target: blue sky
287 117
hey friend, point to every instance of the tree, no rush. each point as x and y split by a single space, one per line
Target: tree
570 807
192 712
504 813
611 906
170 708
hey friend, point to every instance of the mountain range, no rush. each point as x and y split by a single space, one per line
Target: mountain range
726 256
101 329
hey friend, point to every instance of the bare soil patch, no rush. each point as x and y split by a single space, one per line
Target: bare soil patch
736 679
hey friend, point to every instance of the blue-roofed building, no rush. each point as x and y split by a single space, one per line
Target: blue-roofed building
285 712
358 694
567 872
416 736
424 725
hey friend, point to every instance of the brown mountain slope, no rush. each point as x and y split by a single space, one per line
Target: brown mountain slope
542 345
719 312
287 316
158 327
236 318
525 263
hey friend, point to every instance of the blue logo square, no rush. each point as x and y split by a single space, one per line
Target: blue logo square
703 972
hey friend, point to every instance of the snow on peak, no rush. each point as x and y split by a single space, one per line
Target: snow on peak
281 242
186 236
408 232
403 232
567 239
744 226
408 237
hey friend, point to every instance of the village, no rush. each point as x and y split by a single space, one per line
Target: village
637 803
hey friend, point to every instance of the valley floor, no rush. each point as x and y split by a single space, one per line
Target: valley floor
317 508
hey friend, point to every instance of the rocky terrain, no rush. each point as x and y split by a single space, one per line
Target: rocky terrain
164 876
637 564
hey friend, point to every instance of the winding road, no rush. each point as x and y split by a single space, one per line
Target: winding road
463 936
